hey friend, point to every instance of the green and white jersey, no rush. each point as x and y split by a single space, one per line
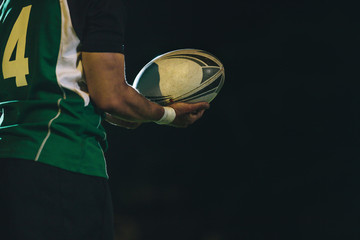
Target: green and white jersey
46 114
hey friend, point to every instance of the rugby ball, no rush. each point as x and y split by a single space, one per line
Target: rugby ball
186 75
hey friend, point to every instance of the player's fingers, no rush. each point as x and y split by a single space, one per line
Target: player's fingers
193 117
200 106
186 120
191 113
198 114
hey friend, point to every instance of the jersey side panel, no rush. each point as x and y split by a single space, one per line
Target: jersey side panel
86 156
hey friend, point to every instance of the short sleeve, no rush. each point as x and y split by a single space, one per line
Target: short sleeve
99 24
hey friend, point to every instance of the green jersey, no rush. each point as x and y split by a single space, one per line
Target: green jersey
46 114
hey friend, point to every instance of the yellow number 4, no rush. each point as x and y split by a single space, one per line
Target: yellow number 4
19 67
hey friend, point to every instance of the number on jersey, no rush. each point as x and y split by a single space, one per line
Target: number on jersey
19 67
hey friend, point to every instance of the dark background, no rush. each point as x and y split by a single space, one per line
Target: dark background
276 156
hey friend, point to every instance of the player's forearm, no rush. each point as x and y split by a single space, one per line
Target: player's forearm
109 91
131 106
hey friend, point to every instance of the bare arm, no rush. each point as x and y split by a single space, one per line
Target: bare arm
105 76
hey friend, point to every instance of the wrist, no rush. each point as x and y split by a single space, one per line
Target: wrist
168 116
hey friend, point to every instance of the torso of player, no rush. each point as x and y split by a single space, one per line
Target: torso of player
46 112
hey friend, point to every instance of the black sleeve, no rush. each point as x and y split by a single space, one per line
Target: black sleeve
99 24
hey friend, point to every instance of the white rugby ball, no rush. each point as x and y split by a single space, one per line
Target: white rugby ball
186 75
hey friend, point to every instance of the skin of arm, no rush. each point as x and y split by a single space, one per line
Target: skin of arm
105 77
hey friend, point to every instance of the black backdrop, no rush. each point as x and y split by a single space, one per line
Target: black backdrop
276 156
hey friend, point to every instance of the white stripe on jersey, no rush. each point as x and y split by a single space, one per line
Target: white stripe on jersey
2 112
49 131
69 70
